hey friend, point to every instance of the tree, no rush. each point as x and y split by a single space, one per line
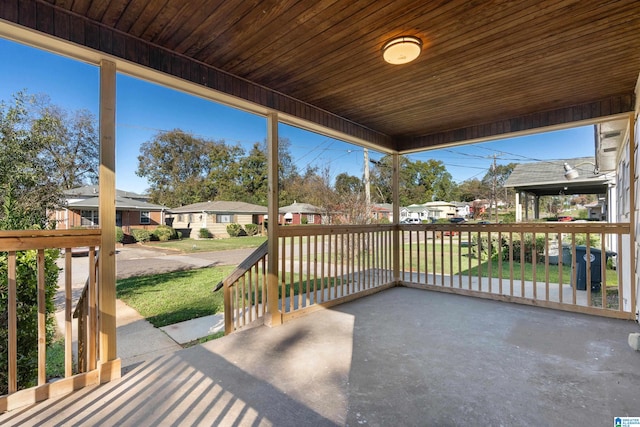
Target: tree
184 169
499 176
473 189
348 184
28 186
253 177
70 142
419 181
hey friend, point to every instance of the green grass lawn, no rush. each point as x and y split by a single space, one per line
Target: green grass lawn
211 245
467 264
165 299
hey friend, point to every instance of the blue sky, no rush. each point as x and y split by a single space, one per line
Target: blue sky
144 109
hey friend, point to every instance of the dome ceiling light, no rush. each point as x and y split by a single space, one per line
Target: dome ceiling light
402 50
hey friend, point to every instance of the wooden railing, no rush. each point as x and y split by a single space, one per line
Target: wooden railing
87 315
245 293
319 266
542 264
13 246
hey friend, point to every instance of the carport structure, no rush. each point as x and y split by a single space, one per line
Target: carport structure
487 70
547 179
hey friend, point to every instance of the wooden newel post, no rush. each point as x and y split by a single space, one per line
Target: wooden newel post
273 316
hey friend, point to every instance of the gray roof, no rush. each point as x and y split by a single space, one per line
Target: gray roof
547 178
302 208
221 206
122 204
93 190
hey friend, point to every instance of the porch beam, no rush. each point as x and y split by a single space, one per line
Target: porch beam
273 316
561 118
109 362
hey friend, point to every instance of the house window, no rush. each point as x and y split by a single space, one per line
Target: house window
311 219
145 217
180 218
224 218
119 218
89 218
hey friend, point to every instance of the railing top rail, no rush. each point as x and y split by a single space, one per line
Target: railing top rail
244 266
50 233
546 227
20 240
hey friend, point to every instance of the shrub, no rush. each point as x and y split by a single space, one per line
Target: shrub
529 247
303 220
119 235
482 246
234 230
251 229
204 233
141 235
27 313
164 233
179 234
581 239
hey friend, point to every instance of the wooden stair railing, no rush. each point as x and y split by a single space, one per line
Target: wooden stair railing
87 316
245 294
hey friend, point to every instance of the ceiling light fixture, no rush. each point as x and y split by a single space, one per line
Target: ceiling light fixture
571 173
402 50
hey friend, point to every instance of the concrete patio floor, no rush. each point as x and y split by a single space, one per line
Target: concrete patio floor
400 357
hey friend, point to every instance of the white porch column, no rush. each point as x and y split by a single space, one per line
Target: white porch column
395 190
273 316
518 208
108 359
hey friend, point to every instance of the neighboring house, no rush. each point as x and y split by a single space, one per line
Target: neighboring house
132 210
414 211
214 216
596 210
429 211
381 211
462 209
300 213
479 207
440 209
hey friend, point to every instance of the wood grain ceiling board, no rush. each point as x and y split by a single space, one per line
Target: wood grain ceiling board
483 61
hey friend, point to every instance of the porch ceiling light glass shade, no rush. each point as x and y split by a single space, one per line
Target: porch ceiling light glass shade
402 50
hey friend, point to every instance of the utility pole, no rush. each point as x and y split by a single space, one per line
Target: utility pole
494 185
493 191
367 187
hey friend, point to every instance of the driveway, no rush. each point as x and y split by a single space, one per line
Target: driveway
136 260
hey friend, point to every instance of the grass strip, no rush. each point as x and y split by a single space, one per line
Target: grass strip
165 299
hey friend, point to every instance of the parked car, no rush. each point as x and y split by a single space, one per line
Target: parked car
411 221
456 220
565 218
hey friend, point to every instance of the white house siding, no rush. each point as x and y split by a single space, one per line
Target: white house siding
636 206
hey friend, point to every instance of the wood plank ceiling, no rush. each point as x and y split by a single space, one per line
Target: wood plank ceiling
487 67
